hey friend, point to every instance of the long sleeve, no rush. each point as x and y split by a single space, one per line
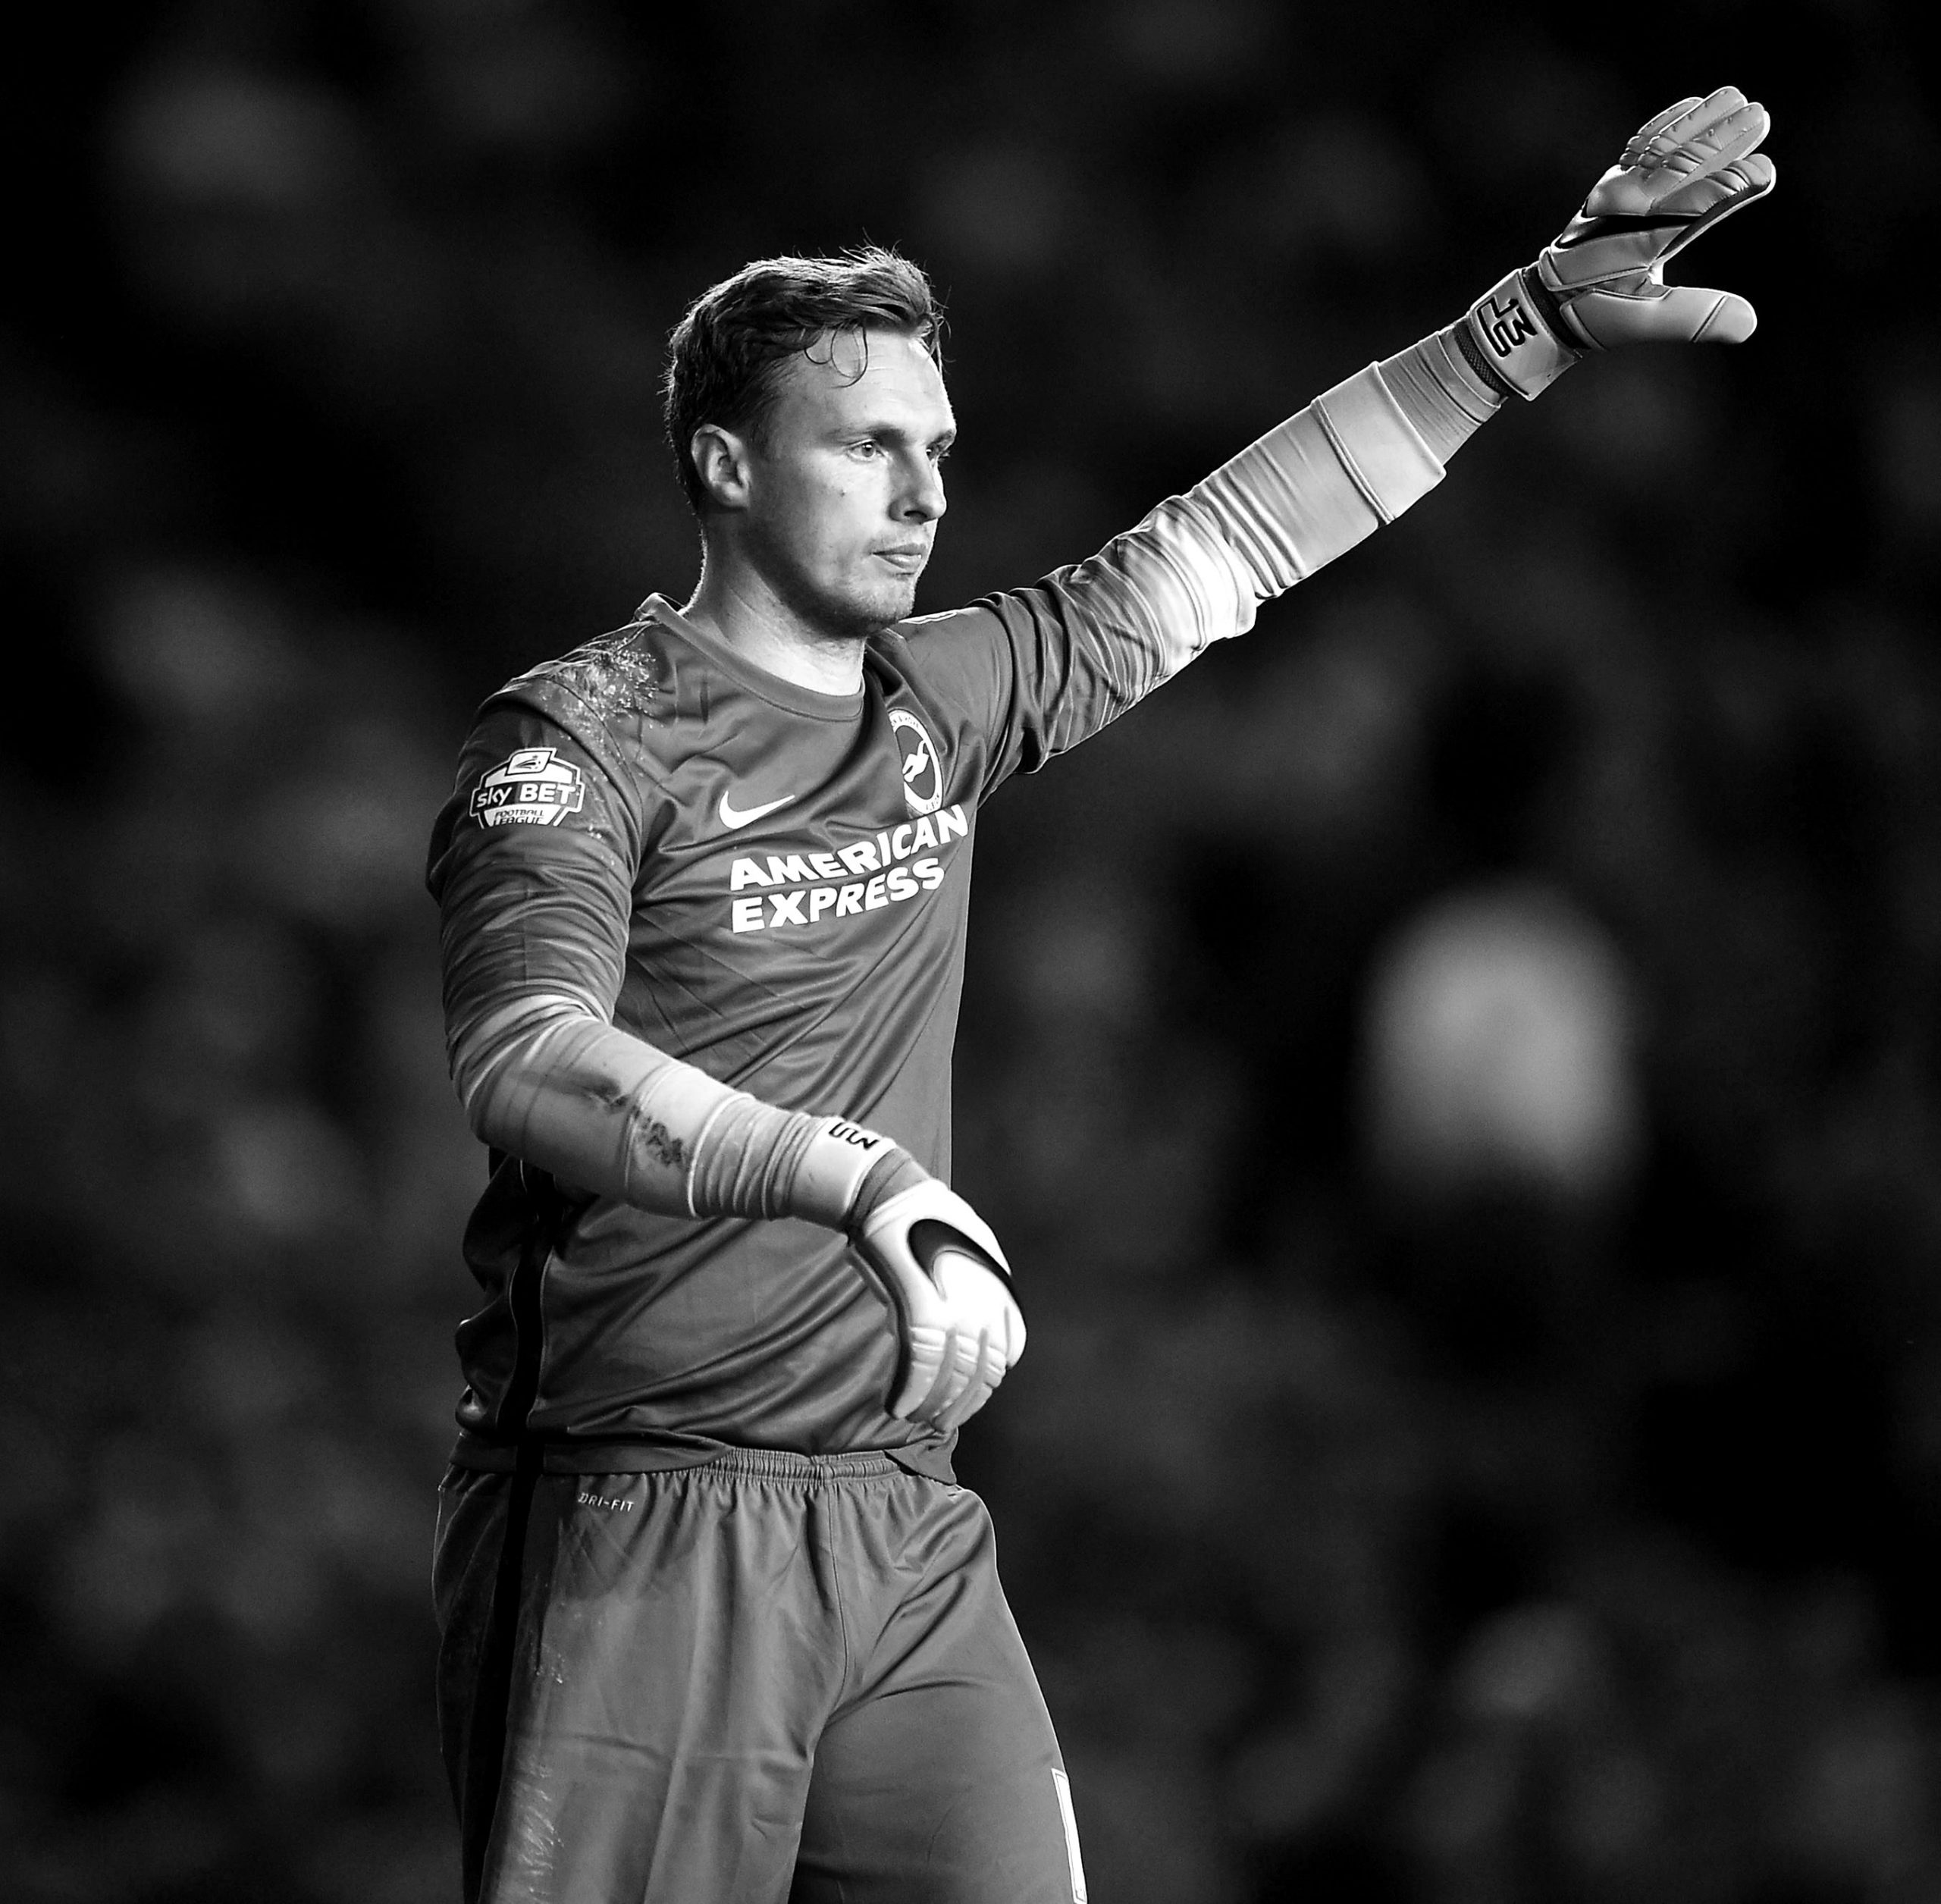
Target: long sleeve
533 867
1076 649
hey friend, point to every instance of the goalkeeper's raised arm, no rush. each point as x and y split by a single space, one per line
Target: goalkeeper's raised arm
1093 639
1598 285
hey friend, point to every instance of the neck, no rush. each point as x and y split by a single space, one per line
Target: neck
736 604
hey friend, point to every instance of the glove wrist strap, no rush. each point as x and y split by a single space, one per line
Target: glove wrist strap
839 1156
1513 332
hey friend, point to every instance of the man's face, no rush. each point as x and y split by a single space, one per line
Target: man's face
845 482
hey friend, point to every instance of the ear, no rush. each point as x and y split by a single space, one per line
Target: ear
721 459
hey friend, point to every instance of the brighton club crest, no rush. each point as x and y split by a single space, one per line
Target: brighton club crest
923 766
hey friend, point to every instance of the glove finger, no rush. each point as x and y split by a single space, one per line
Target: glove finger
1745 181
1733 321
932 1378
1668 314
982 1362
967 1404
1683 136
1687 167
1641 139
992 1360
1696 126
963 1371
1732 137
969 1285
1688 151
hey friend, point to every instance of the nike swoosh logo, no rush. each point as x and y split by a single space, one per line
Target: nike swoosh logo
733 817
1618 223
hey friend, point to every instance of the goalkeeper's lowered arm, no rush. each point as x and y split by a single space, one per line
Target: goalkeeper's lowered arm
546 1079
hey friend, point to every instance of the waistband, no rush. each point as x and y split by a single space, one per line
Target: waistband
672 1452
781 1464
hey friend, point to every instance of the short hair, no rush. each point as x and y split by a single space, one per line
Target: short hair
726 357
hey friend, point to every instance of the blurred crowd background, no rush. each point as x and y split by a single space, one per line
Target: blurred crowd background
1458 1071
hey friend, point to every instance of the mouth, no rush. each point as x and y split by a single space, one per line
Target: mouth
906 558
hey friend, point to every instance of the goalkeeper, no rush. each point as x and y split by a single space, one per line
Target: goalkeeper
717 1623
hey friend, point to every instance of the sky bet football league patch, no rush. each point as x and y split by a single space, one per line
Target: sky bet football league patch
533 788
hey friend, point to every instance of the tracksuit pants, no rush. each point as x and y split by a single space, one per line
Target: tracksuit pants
775 1679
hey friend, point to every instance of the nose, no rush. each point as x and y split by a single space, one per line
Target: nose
923 498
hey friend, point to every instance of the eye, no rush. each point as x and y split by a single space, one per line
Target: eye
868 446
940 453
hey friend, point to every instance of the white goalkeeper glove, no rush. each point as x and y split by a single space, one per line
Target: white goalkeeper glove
958 1327
1602 282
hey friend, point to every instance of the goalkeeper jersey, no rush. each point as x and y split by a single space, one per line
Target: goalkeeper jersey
771 883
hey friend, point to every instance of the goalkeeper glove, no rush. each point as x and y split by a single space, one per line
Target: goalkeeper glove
958 1327
1602 282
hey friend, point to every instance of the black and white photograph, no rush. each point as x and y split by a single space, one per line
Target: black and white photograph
590 1319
